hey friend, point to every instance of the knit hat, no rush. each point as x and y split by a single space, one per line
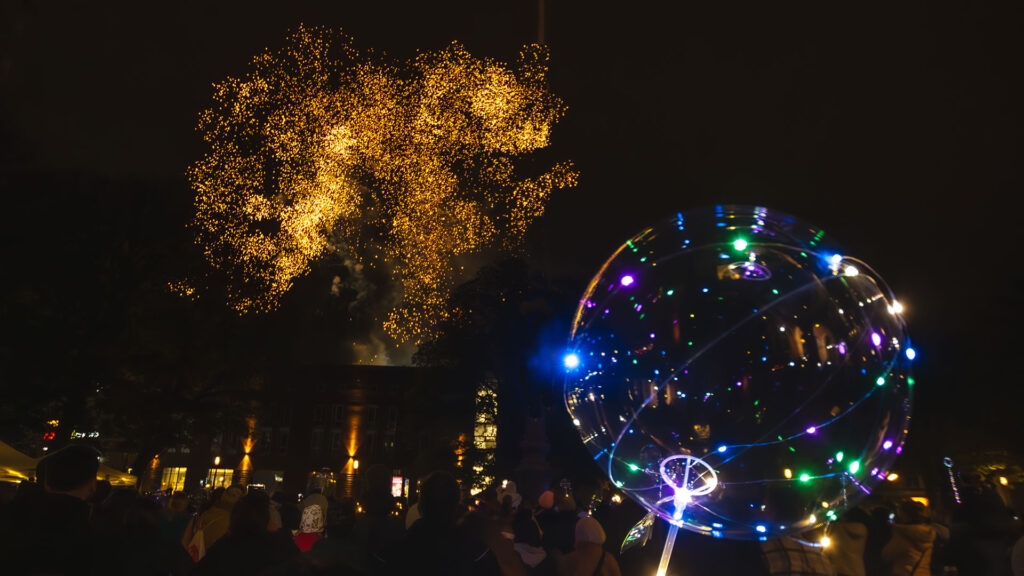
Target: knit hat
589 530
509 490
547 499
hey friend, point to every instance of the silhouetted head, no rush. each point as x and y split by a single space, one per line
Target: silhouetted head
178 502
71 470
250 515
439 497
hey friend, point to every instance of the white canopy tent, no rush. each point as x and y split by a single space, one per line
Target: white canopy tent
15 467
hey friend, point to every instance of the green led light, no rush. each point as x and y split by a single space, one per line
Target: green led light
854 467
880 381
670 292
634 467
839 456
774 291
805 477
910 381
740 244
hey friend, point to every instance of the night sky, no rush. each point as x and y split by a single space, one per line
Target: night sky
896 128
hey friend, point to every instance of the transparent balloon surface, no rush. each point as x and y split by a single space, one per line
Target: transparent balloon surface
737 374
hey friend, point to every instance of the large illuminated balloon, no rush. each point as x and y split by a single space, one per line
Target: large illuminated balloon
734 372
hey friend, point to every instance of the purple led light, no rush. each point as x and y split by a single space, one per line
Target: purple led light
876 339
874 471
899 449
841 347
887 444
626 280
812 430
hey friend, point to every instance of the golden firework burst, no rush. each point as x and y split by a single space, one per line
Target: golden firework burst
320 146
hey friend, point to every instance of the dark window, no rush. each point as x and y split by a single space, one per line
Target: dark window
392 415
316 441
369 443
371 415
336 441
282 441
320 415
339 413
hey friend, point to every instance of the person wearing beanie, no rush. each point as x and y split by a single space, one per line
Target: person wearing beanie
547 500
589 556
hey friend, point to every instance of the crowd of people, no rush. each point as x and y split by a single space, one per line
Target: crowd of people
65 522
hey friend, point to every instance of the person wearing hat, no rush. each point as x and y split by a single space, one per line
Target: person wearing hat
589 556
215 521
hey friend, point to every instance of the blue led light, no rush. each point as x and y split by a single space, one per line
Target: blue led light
571 361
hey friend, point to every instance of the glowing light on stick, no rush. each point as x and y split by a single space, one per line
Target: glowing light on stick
697 479
948 462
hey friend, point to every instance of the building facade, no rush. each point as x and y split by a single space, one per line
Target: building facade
337 425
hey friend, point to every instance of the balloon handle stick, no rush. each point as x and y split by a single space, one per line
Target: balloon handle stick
666 553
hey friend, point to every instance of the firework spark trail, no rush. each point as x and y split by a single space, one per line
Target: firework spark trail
319 144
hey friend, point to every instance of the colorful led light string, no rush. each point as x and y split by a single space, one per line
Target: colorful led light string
628 280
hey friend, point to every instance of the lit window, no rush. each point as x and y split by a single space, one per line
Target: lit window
219 477
173 479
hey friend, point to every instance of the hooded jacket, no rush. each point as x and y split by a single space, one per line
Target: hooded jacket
849 540
909 552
